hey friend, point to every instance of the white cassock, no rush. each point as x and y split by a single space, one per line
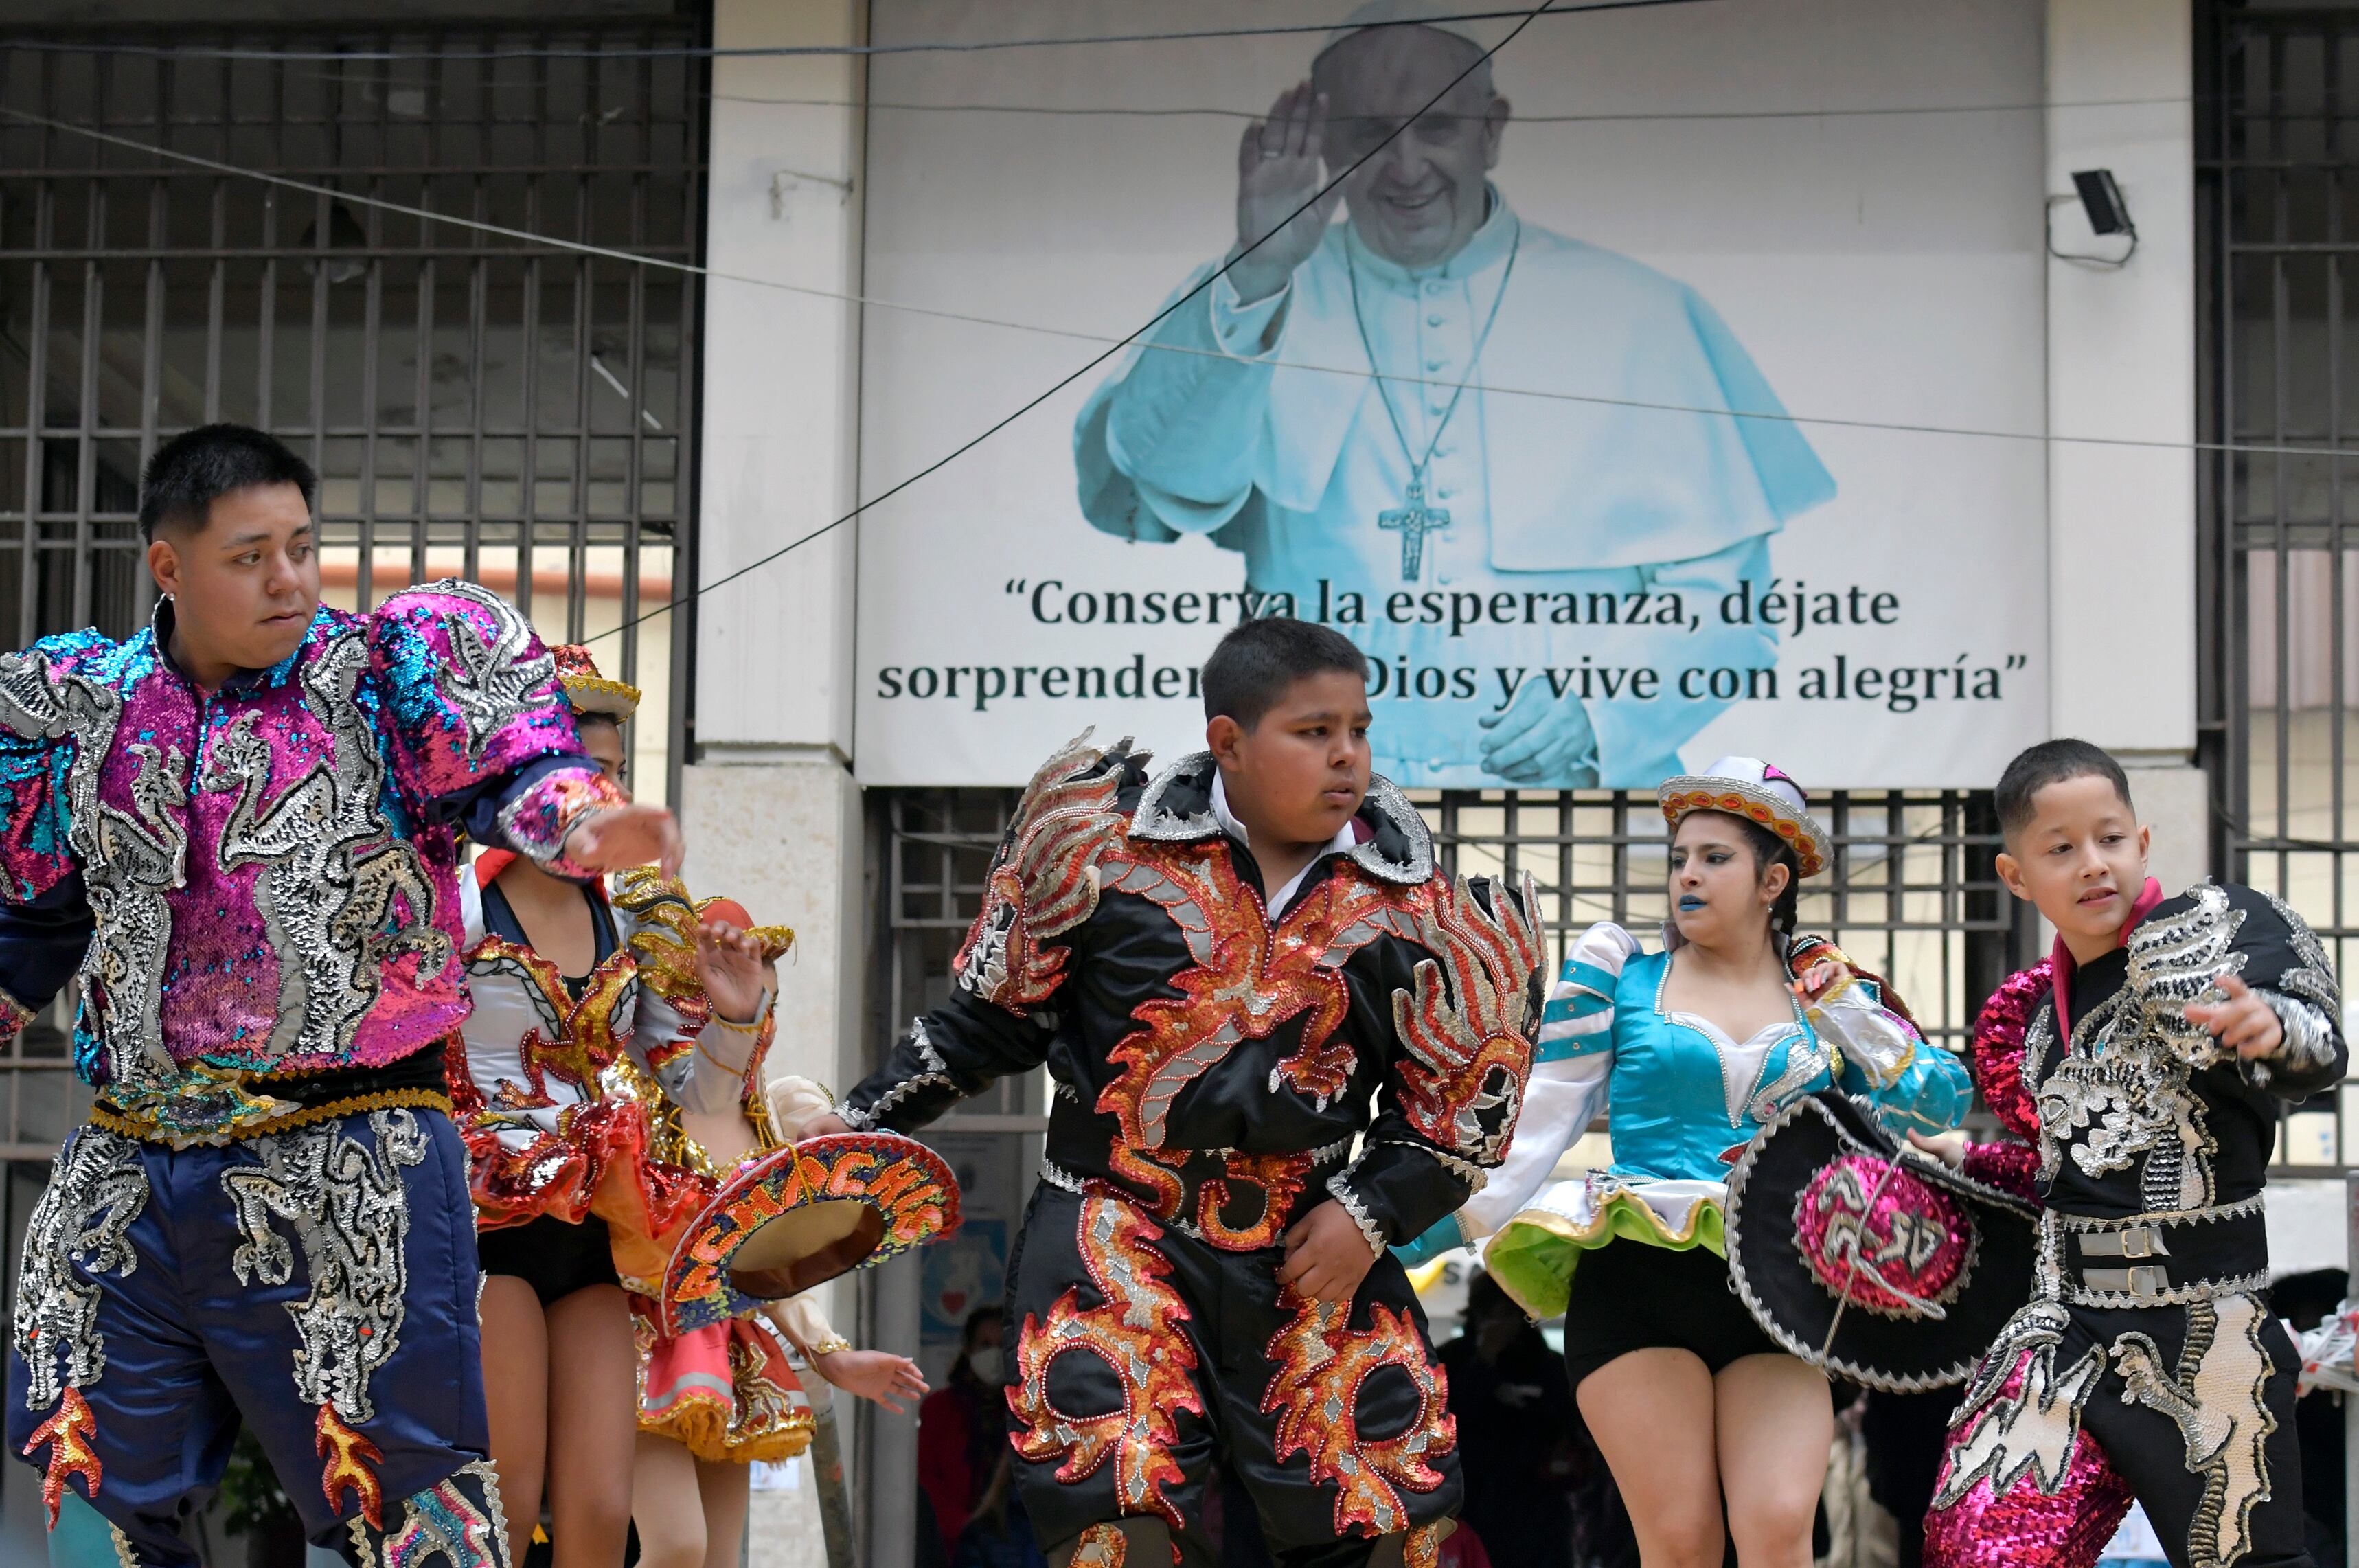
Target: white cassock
1250 434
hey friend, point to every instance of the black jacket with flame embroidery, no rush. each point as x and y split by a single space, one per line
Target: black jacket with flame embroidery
1212 1067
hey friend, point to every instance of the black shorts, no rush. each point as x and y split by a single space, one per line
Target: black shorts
1627 1295
556 1259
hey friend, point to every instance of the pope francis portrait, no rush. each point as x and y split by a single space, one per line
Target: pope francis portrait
1510 464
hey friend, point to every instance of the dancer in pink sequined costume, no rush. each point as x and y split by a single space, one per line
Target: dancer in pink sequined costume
2142 1064
241 825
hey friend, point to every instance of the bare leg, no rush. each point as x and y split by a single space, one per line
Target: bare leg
515 1397
1651 1412
592 1425
667 1504
1776 1422
725 1487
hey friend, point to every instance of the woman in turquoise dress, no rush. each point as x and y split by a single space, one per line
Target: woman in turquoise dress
1706 1422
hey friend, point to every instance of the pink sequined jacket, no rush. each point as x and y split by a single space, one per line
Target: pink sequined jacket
261 882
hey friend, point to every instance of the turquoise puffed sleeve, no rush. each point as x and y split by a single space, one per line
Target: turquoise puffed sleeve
1570 1070
1913 1086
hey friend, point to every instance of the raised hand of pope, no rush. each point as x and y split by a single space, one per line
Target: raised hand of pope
1277 171
1327 1254
2245 1020
620 837
1542 739
729 964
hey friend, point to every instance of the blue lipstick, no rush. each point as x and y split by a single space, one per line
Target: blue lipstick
1690 903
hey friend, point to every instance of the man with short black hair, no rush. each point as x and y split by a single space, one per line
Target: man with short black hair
1234 970
241 825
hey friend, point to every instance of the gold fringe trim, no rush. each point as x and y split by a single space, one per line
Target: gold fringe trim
108 1119
697 1425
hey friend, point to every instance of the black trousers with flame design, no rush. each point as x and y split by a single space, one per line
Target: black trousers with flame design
1142 1355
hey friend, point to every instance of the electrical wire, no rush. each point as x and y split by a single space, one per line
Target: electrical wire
707 51
970 318
1608 118
1320 194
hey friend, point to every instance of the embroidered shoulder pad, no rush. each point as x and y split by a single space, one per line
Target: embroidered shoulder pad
1045 880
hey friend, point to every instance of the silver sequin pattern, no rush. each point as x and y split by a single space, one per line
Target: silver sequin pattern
492 683
341 892
130 860
349 1213
97 1188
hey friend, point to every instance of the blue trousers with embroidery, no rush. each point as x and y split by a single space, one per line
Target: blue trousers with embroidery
319 1282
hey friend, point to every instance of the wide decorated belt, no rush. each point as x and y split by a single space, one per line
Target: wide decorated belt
216 1105
2157 1260
1236 1201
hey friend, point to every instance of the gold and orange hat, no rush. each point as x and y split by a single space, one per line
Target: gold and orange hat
588 690
1749 787
799 1216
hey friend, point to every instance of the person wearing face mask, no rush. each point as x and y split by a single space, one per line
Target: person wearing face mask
962 1426
1711 1427
1415 476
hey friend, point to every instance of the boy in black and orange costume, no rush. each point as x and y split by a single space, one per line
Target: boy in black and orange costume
1222 968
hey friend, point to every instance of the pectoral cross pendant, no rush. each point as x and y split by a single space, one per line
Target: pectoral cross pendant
1413 519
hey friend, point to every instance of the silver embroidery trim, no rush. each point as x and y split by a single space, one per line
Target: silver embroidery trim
1817 1355
2313 980
440 1523
2218 1398
350 1214
2053 1282
2121 1097
492 684
1475 1177
1339 1187
1156 820
130 860
2030 1432
1058 1176
2309 1046
97 1188
937 1075
341 892
2257 1203
2178 960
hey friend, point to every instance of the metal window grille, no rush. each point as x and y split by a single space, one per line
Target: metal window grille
1910 893
2277 228
477 405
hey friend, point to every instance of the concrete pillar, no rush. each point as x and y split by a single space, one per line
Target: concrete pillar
772 816
2121 363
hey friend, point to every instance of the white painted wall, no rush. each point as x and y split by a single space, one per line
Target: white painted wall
771 815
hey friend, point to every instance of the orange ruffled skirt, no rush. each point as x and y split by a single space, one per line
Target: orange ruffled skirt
724 1392
597 1164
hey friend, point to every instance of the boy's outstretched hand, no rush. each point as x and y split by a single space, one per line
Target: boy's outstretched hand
2244 1021
1326 1254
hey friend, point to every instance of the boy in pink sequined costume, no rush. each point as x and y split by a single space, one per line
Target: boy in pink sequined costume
2143 1065
242 826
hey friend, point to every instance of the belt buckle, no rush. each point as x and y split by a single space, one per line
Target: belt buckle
2143 1284
2131 1241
